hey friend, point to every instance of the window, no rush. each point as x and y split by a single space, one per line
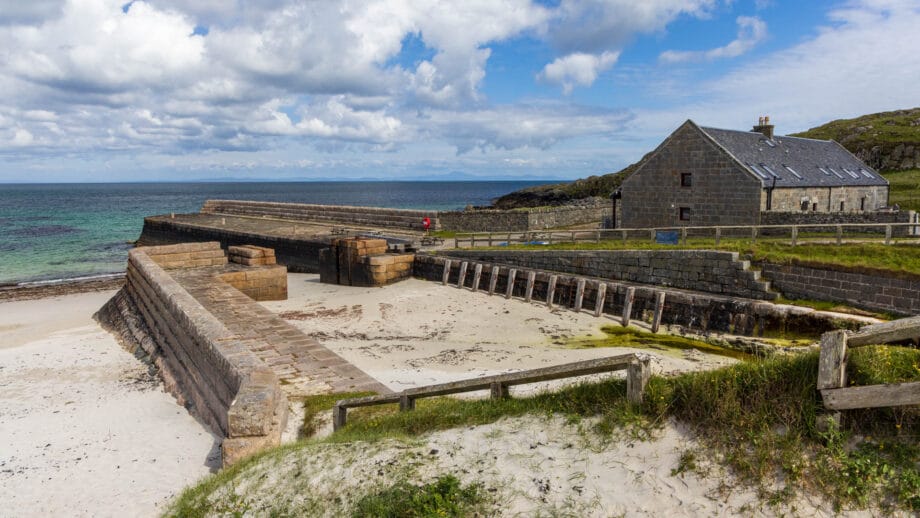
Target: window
685 213
841 206
771 171
814 207
686 179
831 169
823 170
865 173
862 203
758 171
793 171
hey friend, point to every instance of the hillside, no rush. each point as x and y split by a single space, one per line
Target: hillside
888 141
565 193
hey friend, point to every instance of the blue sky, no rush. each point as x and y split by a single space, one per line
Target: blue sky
101 90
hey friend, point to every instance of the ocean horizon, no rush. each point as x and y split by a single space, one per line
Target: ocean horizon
59 231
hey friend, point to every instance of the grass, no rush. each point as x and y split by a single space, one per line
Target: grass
898 259
759 417
315 406
904 189
445 497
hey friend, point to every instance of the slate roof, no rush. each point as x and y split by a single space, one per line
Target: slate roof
795 161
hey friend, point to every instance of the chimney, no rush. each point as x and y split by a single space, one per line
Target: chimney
764 126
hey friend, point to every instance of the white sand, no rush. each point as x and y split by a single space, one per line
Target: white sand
84 429
417 333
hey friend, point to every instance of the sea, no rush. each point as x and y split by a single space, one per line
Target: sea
55 232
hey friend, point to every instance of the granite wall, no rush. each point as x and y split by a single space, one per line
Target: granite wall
699 270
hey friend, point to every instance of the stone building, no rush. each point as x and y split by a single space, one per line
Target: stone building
707 176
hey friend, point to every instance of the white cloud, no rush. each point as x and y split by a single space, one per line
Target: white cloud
751 31
577 69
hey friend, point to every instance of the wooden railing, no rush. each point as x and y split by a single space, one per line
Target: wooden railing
831 233
832 368
637 375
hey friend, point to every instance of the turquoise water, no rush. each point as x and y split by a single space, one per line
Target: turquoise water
62 231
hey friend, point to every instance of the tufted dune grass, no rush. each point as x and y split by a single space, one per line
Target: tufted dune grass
759 418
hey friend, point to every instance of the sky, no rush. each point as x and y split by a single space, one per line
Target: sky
101 90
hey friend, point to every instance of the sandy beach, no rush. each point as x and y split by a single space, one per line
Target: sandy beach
86 429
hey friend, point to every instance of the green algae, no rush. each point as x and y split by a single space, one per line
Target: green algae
673 345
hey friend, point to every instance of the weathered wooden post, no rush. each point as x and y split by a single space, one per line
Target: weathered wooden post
887 234
493 280
497 390
637 376
651 234
600 298
531 277
509 290
551 291
597 236
627 305
573 237
683 236
477 275
753 235
406 403
579 295
832 366
659 310
839 234
795 234
339 416
462 276
446 273
718 235
623 232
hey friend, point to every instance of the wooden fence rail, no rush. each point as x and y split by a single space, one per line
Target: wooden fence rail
835 232
832 366
636 366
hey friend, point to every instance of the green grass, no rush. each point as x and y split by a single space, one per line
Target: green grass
898 259
904 188
760 418
445 497
314 406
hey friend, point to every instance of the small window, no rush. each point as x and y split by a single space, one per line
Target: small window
831 169
804 205
771 171
862 203
865 173
686 179
814 207
793 171
841 206
823 170
758 171
685 213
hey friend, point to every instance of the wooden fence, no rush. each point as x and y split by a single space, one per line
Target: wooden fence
832 368
637 375
795 234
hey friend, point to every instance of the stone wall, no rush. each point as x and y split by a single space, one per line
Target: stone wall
842 218
344 214
871 291
855 198
693 311
721 192
523 220
363 262
208 368
298 254
700 270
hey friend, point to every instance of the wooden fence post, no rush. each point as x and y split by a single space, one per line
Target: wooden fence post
683 236
477 275
753 235
339 416
509 290
839 234
637 375
406 403
659 310
446 273
887 234
462 276
718 235
599 298
531 277
627 305
551 291
493 280
832 367
795 234
579 295
498 391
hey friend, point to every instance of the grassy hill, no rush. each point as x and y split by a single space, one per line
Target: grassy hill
888 141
